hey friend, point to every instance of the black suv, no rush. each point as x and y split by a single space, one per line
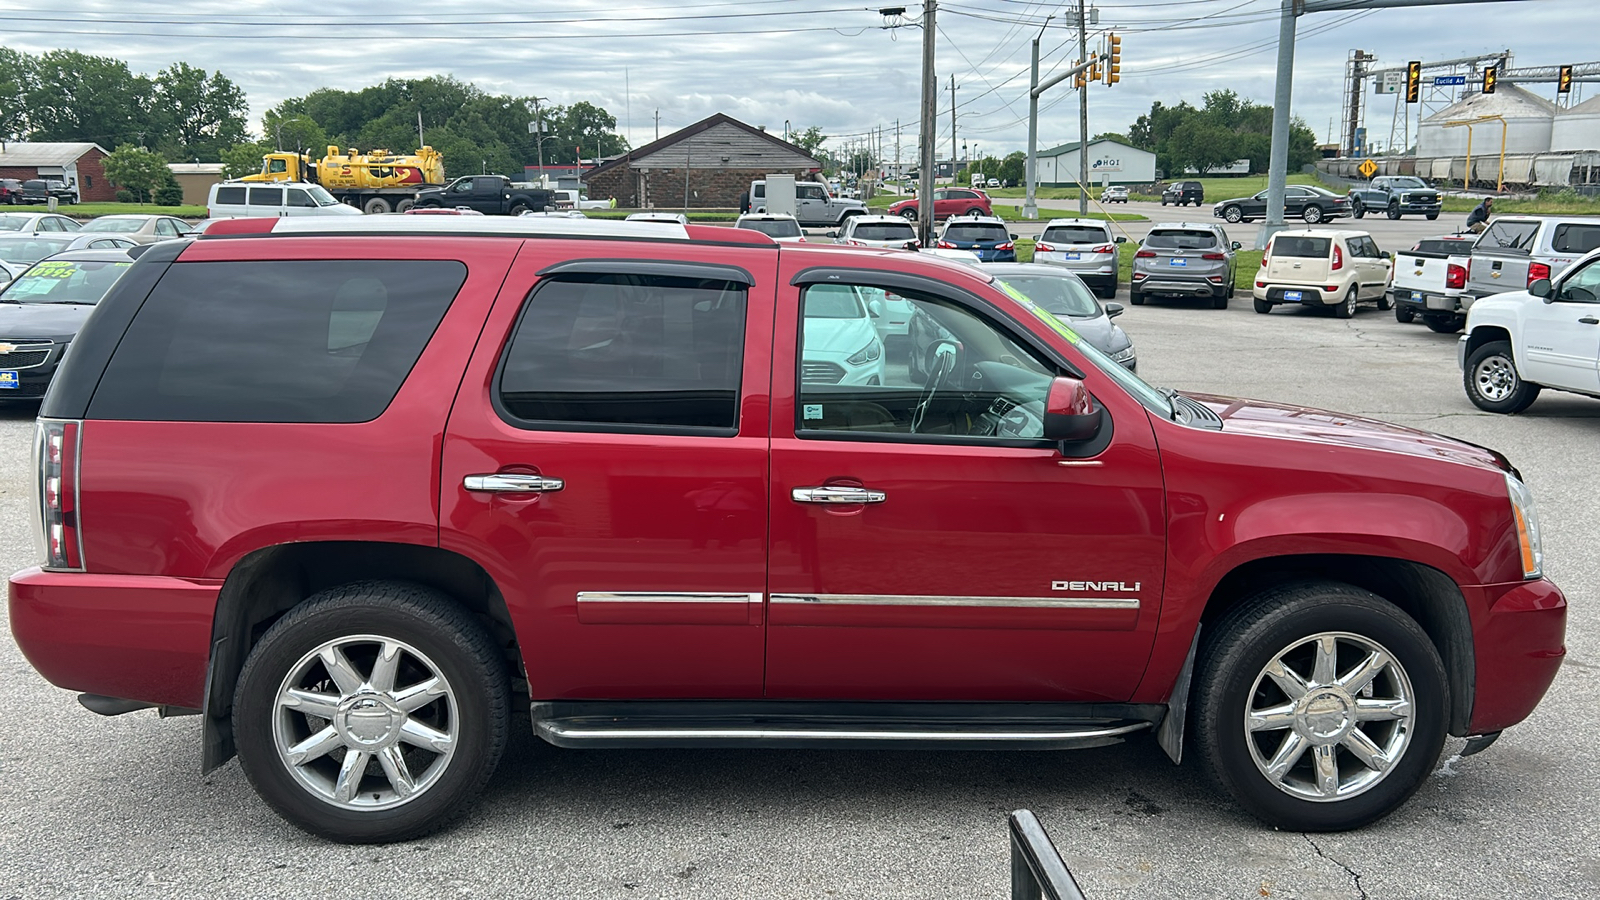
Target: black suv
40 190
1182 193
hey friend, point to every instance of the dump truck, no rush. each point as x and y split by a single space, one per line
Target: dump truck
374 182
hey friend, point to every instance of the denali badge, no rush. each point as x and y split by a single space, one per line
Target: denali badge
1119 586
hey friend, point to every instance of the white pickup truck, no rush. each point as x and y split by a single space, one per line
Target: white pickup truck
1547 336
1430 281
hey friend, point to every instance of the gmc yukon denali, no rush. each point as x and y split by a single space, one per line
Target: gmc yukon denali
362 493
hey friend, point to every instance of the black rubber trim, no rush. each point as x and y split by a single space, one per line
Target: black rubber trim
80 372
663 268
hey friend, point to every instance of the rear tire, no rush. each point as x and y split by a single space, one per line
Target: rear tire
519 207
1263 306
975 211
1281 681
1220 302
1404 314
375 206
1493 383
1347 307
1444 324
909 214
315 702
1233 215
1312 214
405 205
1134 297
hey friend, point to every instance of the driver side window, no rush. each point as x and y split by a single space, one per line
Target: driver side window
887 363
1582 287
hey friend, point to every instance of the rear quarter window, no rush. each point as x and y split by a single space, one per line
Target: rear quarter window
276 341
1576 237
230 196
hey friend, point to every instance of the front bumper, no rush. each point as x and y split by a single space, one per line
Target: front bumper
30 382
1518 634
135 637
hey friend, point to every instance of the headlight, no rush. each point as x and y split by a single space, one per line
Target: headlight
1123 355
866 354
1526 518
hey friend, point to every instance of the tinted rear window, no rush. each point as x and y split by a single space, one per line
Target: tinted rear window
1576 238
1452 248
1180 239
280 341
1075 234
773 227
230 196
1301 247
970 233
888 231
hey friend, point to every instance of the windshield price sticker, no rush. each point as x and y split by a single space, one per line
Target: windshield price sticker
57 269
1043 314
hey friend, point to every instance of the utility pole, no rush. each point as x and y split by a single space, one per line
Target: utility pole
1083 119
953 156
536 126
930 110
1030 208
658 123
898 174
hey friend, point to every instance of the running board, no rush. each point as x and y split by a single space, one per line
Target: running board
786 724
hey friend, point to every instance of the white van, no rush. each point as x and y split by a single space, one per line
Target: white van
235 200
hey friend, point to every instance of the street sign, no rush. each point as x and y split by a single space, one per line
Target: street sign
1449 80
1368 169
1389 82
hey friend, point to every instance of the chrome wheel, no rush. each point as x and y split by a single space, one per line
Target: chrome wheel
1329 716
365 722
1495 379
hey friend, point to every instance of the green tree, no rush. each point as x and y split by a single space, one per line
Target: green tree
17 74
170 193
244 159
77 97
587 126
137 169
199 114
809 140
1014 167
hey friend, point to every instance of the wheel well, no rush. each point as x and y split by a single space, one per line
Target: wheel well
1424 593
269 582
1486 334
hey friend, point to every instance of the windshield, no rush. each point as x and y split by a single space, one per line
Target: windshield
1408 183
64 281
885 231
12 223
976 233
114 225
1063 295
1176 239
1153 400
1075 234
1300 247
773 227
321 195
833 301
32 250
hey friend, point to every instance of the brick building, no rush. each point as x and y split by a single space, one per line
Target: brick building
708 164
76 164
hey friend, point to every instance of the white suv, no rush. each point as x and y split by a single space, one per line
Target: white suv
1321 269
883 232
783 228
1547 336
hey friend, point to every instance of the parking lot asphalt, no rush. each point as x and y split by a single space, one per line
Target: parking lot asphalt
96 807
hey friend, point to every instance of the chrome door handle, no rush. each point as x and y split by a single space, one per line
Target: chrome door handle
837 494
513 484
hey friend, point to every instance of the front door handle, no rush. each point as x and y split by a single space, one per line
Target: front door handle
1589 320
511 483
837 495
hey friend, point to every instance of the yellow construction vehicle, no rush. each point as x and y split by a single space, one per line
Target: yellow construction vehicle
376 182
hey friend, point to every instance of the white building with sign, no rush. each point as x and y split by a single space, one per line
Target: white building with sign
1110 162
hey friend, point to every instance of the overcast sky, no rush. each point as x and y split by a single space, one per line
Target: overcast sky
810 62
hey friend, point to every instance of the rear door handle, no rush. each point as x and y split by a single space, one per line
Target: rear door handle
837 494
509 483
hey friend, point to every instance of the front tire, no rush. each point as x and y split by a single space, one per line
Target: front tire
1492 382
1384 302
1394 210
372 712
1233 215
1319 706
1432 216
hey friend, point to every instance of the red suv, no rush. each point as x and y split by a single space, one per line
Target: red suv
948 202
361 494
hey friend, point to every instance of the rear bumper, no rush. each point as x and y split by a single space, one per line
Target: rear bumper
1425 302
1519 633
145 638
1178 287
1310 294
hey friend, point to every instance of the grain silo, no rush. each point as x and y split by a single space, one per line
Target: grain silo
1577 128
1529 121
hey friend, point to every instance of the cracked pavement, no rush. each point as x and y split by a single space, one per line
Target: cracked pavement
114 808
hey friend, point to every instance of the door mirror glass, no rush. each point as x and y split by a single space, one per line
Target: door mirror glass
1119 240
1387 255
1235 245
833 234
1113 310
1070 414
1541 288
875 308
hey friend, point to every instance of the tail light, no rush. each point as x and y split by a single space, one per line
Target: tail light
1008 246
1338 258
855 243
945 245
55 456
1261 284
1145 254
1217 257
1455 276
1537 271
1105 248
800 240
1263 260
1042 247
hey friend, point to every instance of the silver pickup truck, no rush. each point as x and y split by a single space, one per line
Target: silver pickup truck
1430 281
1515 251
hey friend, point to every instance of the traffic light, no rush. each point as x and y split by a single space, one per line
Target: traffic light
1564 80
1078 80
1114 63
1094 69
1489 75
1413 81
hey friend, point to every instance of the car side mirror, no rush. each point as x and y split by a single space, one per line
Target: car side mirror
875 308
1070 414
833 234
1542 288
1387 255
1119 240
1235 246
1113 310
1013 237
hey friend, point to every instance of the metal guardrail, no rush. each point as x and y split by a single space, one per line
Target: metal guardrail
1037 870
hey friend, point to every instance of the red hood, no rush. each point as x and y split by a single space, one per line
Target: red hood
1260 417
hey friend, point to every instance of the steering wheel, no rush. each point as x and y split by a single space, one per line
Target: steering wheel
944 362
